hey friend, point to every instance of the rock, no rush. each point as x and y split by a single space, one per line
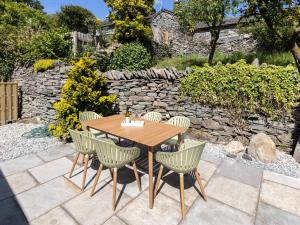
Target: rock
255 62
234 147
211 124
262 148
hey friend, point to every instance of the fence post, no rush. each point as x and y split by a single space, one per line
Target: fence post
8 102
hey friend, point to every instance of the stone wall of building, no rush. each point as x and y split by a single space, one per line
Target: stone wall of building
150 90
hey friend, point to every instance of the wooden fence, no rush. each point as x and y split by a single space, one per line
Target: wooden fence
8 102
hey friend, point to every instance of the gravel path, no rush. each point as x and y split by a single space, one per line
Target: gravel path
284 164
13 145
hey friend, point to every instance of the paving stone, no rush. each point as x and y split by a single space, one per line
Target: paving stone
213 212
126 182
77 176
165 211
210 158
114 221
15 184
56 152
281 196
170 186
282 179
206 169
268 215
241 172
233 193
41 199
19 164
97 209
51 170
11 213
56 216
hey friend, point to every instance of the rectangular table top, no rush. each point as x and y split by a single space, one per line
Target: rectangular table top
151 134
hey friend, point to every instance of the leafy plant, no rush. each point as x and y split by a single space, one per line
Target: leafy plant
242 88
131 56
43 65
84 90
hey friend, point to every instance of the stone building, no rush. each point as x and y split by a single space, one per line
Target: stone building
167 32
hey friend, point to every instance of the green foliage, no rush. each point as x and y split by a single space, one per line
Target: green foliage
84 90
77 18
182 62
43 65
129 19
242 88
132 56
36 4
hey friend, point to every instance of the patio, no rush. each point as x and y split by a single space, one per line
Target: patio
35 190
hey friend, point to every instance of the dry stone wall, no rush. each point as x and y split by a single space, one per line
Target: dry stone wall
149 90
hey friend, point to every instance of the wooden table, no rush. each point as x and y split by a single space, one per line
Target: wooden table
151 134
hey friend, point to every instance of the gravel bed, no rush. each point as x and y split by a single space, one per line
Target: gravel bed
13 145
284 164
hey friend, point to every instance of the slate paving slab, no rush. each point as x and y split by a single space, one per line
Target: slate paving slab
269 215
214 212
97 209
241 172
282 179
41 199
15 184
56 152
238 195
56 216
281 196
114 221
206 169
19 164
207 157
51 170
11 213
165 211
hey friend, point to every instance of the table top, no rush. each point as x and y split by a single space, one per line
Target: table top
151 134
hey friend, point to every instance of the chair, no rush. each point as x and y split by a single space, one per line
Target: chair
152 116
114 157
182 162
83 145
89 115
179 121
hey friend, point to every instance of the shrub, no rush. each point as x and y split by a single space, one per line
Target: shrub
84 90
132 56
241 88
43 65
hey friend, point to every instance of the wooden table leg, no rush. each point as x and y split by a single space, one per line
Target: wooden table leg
179 142
150 167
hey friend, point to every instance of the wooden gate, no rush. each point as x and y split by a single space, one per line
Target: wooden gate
8 102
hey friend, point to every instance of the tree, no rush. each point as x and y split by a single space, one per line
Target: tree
35 4
77 18
282 19
84 90
129 19
210 12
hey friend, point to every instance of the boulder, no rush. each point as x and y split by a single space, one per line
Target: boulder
234 147
262 148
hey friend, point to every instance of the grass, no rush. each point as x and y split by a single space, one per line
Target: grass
184 61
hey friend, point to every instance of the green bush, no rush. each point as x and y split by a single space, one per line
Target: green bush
132 56
84 90
242 88
43 65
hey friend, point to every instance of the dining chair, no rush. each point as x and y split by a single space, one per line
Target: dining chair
184 161
84 146
89 115
152 116
114 157
179 121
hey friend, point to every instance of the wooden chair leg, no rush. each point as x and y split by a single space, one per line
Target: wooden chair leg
182 194
136 176
158 179
96 179
74 164
86 161
111 173
198 177
82 163
114 190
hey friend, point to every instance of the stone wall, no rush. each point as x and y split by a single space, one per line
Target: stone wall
150 90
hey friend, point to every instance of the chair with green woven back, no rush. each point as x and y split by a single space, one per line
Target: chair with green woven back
83 146
152 116
114 157
89 115
184 161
